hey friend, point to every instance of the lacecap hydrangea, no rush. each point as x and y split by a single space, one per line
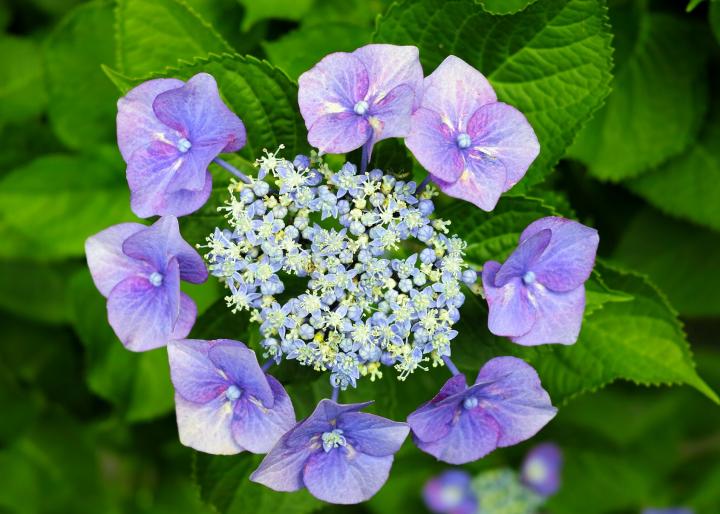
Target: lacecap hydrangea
345 269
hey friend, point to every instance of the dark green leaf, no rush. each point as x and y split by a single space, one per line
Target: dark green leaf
504 6
281 9
22 84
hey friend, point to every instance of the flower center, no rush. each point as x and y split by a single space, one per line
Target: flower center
333 439
183 145
536 471
233 393
470 402
452 495
361 107
528 278
156 279
463 140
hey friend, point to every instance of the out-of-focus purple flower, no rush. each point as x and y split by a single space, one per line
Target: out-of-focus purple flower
450 493
138 269
538 295
505 406
541 469
668 510
340 454
473 146
349 99
169 132
224 401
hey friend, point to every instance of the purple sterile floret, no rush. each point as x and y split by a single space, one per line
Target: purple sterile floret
139 269
341 455
224 401
350 99
450 493
169 132
473 146
541 469
505 405
538 295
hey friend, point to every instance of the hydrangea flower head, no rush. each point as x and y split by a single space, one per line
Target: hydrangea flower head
505 405
139 269
341 455
350 99
450 493
169 132
538 295
473 146
541 469
224 401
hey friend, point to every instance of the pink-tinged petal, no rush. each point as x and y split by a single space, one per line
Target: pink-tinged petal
239 364
569 258
194 376
455 90
339 133
481 182
390 117
332 86
503 132
511 311
345 476
282 468
197 112
143 315
433 420
258 428
521 260
472 435
389 66
433 144
108 264
205 427
373 435
559 316
511 392
137 125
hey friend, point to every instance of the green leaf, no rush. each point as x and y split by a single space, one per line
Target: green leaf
714 17
81 99
692 4
281 9
224 484
504 6
681 258
552 61
22 81
688 186
137 384
54 203
658 100
152 35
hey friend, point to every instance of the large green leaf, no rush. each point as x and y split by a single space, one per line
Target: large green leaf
658 100
81 98
714 17
53 204
504 6
152 35
22 84
552 60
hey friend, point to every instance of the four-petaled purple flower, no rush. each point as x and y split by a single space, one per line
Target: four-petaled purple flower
538 295
473 146
541 469
169 132
505 406
350 99
224 401
450 493
340 454
138 269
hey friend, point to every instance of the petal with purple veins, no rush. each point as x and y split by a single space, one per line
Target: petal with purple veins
108 264
511 313
205 427
433 144
559 316
390 116
193 375
339 132
521 260
389 66
373 435
481 182
282 468
321 420
433 420
240 366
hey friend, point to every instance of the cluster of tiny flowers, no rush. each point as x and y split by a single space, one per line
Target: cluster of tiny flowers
365 305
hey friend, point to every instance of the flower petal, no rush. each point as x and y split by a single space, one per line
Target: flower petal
282 468
481 182
339 133
106 260
451 493
503 132
541 469
193 374
345 476
389 66
373 435
524 256
558 319
433 420
321 420
390 117
432 142
205 427
511 313
241 367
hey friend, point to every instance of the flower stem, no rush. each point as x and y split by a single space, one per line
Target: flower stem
232 169
451 366
335 393
269 364
423 184
365 158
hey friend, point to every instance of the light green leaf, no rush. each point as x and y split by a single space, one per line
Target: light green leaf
658 101
54 203
22 81
504 6
137 384
152 35
282 9
81 99
552 61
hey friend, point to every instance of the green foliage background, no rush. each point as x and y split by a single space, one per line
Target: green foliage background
624 98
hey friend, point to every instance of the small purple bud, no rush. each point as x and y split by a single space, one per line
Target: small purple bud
426 207
301 162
